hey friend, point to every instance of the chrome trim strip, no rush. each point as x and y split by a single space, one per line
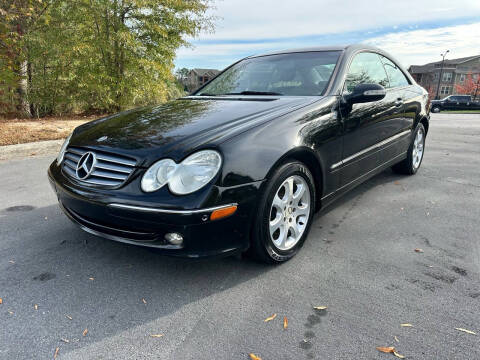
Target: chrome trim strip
370 148
109 158
167 211
100 182
111 167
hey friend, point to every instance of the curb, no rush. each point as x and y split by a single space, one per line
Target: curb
22 151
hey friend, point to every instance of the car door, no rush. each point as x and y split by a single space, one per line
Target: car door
450 103
399 120
364 123
464 102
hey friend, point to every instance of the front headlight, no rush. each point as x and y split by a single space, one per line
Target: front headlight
61 154
190 175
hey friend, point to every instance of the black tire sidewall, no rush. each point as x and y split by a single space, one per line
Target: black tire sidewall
262 234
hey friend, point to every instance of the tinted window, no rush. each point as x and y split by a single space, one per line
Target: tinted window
306 73
366 68
395 75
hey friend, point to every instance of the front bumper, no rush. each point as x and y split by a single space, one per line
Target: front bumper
121 219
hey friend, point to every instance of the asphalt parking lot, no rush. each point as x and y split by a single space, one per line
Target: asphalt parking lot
359 260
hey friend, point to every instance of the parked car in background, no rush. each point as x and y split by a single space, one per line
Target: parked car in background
245 161
455 102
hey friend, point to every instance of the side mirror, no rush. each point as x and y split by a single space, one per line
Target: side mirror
363 93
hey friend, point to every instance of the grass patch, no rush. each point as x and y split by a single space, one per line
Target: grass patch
460 111
19 131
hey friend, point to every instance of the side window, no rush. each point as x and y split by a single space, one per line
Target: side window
395 75
366 68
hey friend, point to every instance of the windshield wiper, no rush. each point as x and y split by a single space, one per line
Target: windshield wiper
249 92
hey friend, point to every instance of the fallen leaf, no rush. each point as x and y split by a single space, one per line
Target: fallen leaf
156 335
396 339
285 322
466 331
398 355
11 261
91 278
85 332
35 307
144 301
56 353
1 301
406 325
10 312
270 318
418 250
319 307
254 357
386 349
65 340
396 182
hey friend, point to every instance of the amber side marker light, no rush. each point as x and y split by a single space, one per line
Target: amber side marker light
221 213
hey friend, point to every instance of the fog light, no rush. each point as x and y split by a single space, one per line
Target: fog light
174 238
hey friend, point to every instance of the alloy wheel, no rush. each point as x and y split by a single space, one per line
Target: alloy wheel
417 151
289 213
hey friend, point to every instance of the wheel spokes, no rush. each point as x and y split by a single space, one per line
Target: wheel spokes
289 212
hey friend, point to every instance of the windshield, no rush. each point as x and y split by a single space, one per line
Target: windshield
297 74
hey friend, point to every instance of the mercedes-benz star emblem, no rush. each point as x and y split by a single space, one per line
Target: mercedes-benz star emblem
85 165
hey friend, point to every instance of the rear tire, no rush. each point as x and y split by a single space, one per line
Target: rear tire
412 163
284 214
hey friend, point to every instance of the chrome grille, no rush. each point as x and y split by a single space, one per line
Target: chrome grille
109 170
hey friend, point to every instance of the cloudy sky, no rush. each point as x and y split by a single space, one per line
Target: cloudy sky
416 32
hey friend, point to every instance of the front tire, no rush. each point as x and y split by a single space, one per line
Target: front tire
412 163
436 109
284 215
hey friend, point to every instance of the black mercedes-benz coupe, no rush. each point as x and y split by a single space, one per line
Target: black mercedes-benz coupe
244 162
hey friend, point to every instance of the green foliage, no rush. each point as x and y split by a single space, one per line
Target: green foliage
95 55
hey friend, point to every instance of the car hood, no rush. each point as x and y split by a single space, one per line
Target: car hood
178 127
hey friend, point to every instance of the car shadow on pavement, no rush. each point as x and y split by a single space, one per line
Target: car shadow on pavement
80 281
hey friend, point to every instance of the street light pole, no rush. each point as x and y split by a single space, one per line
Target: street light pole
441 72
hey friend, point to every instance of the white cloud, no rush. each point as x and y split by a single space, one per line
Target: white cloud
265 25
253 19
422 46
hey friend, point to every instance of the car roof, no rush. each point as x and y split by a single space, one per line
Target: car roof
352 47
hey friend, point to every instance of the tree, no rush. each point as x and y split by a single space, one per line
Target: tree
100 55
470 86
17 19
182 76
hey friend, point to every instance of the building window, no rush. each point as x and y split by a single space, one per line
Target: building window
445 90
447 77
462 78
435 76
